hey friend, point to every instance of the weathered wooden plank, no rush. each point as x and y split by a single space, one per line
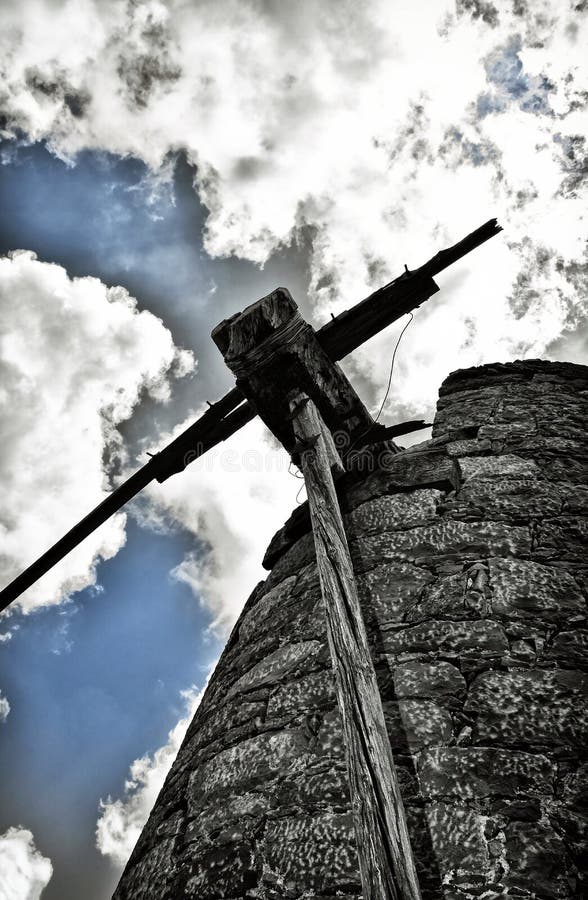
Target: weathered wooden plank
271 350
187 448
354 326
385 855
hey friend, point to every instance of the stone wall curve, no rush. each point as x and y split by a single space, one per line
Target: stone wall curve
470 555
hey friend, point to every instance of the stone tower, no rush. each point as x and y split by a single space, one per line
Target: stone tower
470 556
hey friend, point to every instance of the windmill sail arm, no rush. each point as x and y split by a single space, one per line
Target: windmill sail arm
354 326
212 428
201 436
338 337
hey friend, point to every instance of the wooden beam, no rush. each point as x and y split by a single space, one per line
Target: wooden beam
385 856
354 326
208 431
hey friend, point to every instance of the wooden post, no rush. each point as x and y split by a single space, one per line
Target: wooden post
385 855
300 393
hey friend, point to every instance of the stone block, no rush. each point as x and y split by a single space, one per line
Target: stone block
510 500
230 715
535 707
564 538
573 789
485 637
425 465
223 871
569 648
444 598
499 433
565 469
310 854
238 814
458 842
439 681
530 591
507 466
414 724
473 447
316 787
325 735
517 376
288 661
394 512
303 695
389 592
156 866
525 809
572 825
298 555
462 414
256 621
445 541
537 859
555 445
480 772
576 500
250 763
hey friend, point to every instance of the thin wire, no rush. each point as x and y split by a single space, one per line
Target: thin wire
392 369
367 431
297 475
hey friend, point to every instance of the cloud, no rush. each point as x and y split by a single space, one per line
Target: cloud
4 708
24 871
335 124
233 500
388 134
121 821
75 359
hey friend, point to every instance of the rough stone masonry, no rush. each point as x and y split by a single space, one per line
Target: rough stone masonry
470 555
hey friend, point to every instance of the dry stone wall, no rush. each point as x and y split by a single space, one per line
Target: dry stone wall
470 554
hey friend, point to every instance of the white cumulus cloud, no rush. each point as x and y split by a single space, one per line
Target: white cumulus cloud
24 871
75 357
233 500
4 708
389 129
121 820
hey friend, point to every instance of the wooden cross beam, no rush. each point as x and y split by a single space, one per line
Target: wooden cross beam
303 397
337 338
271 350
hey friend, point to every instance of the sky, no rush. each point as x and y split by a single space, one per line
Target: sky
162 166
